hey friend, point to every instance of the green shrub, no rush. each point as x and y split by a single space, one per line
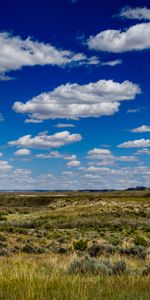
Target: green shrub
80 245
2 238
140 241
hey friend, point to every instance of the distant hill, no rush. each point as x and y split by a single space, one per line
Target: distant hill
138 188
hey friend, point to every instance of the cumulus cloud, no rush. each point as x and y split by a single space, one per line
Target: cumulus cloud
98 153
139 13
143 151
22 152
106 158
94 169
143 128
135 143
134 38
73 163
56 154
16 53
74 101
4 166
43 140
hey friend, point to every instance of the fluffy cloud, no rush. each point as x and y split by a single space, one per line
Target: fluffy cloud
4 166
16 53
74 101
56 154
43 140
134 38
22 152
135 144
98 153
106 158
143 128
143 151
139 13
73 163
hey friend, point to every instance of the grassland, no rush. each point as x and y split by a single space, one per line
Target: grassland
75 246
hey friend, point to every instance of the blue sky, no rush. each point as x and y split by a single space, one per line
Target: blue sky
74 85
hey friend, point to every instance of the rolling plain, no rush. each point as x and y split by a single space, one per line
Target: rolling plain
75 245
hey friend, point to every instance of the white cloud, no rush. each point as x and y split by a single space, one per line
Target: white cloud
22 172
134 38
143 151
139 13
22 152
99 154
68 173
73 163
98 151
74 101
16 53
126 158
36 121
135 143
134 110
106 157
94 169
56 154
4 166
43 140
64 125
143 128
112 63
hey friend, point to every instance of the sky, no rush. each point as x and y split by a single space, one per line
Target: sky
74 90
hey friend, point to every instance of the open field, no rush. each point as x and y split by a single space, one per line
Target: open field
75 245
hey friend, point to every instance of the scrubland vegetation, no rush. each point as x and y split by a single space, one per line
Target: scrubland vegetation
79 246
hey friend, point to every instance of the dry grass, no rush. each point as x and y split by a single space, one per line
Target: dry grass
30 277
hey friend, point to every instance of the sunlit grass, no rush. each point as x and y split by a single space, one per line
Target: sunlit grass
30 278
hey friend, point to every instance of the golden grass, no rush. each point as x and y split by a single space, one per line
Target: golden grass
44 278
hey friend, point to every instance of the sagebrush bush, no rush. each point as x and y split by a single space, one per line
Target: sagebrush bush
97 249
146 270
119 267
138 251
88 265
